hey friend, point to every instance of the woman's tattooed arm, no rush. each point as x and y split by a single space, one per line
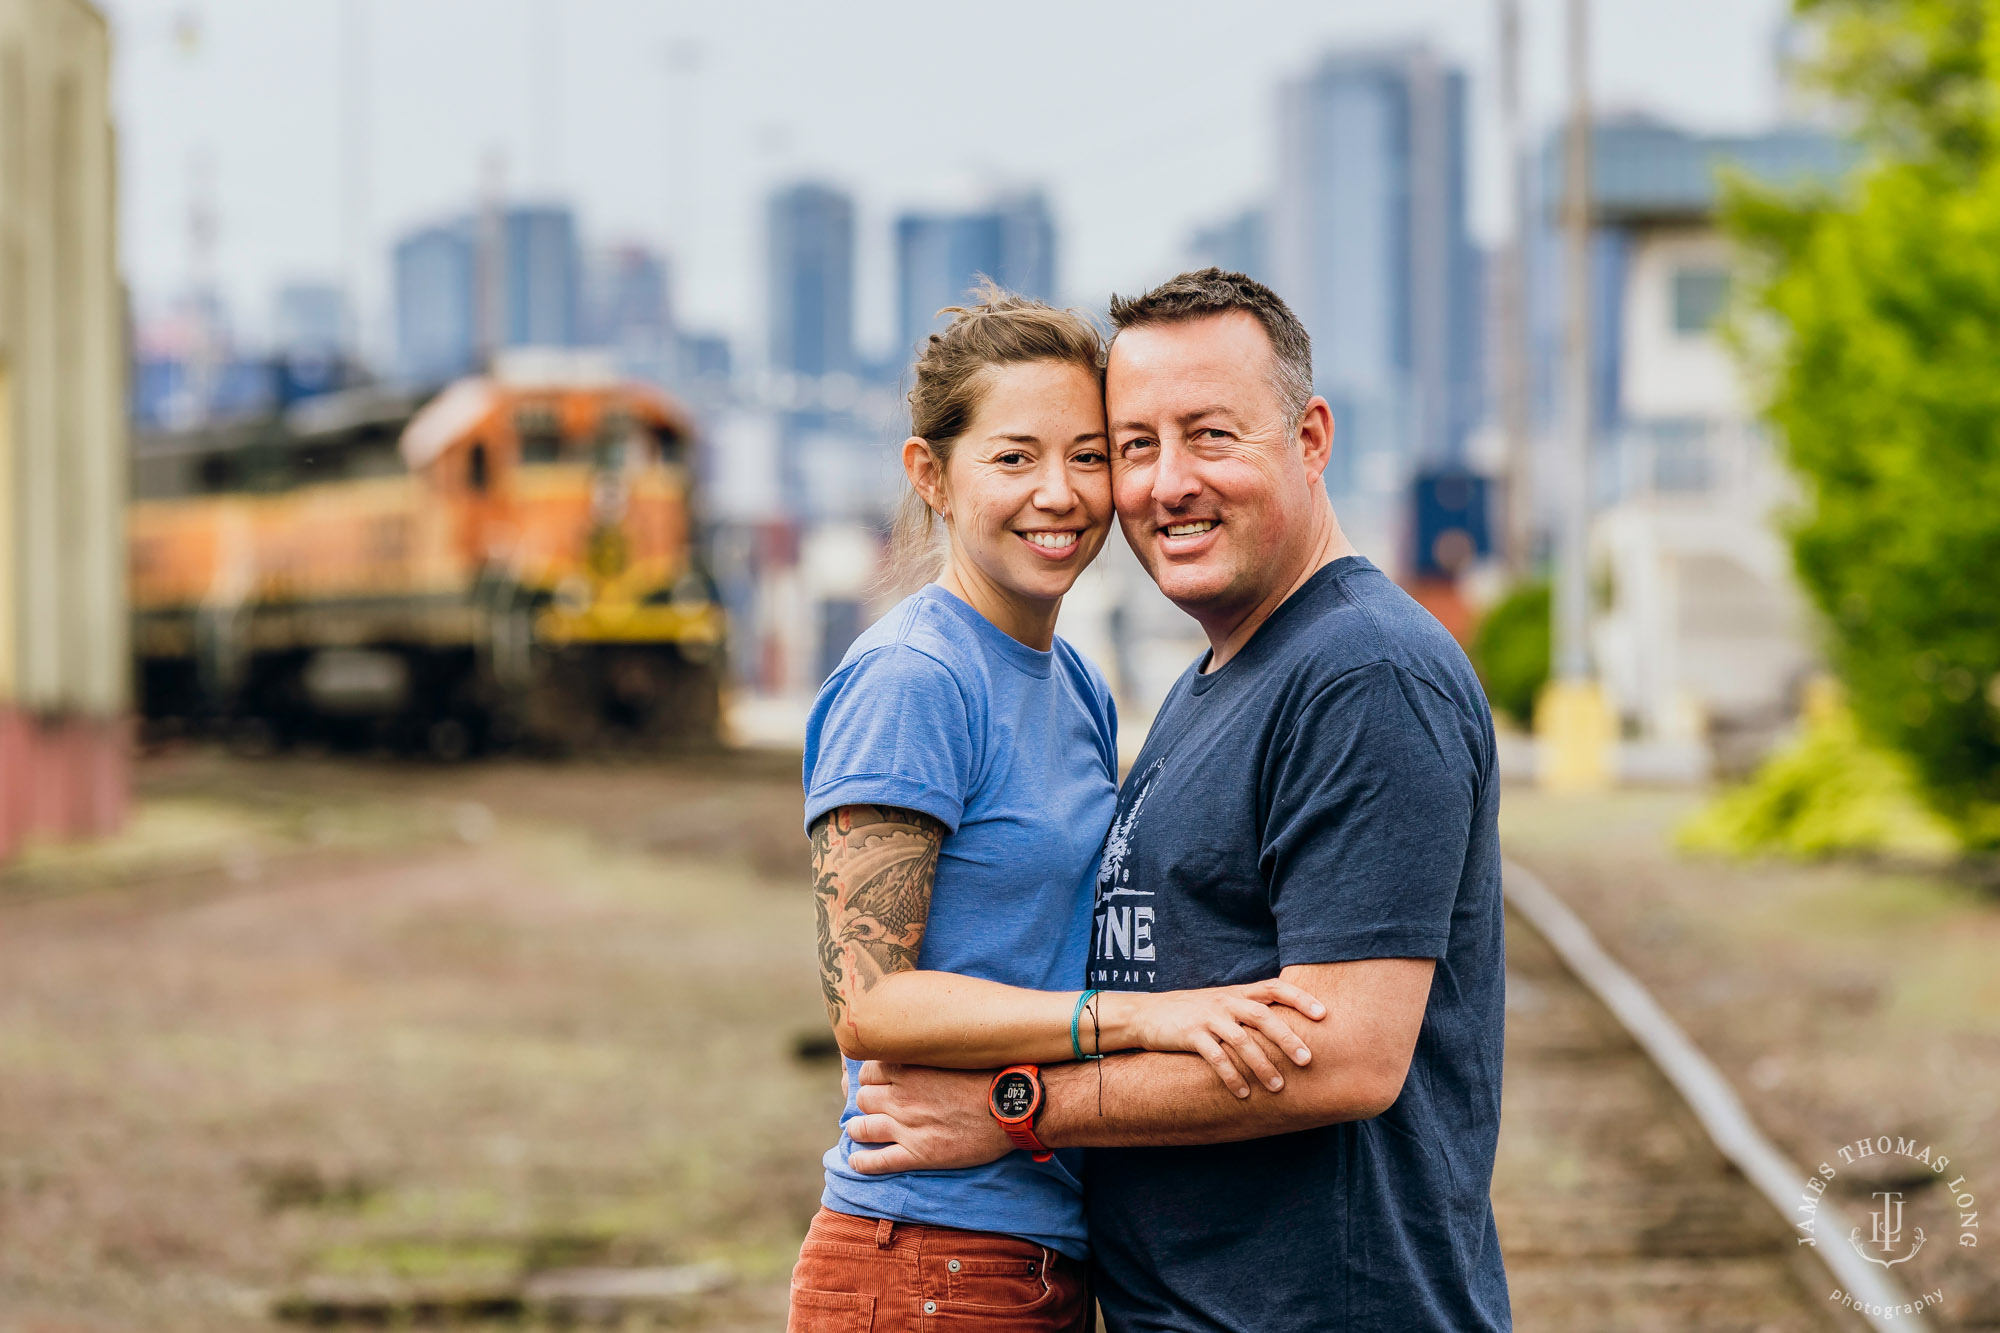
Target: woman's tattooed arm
873 867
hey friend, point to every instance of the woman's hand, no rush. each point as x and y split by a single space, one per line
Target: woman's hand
1216 1024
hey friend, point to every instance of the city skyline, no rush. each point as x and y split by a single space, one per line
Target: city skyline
450 96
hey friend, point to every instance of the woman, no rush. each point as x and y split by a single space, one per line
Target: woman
960 774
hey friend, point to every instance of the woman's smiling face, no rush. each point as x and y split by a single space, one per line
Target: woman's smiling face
1028 487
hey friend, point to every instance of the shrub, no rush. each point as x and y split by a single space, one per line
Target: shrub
1510 651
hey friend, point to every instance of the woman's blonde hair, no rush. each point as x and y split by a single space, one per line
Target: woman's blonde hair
998 328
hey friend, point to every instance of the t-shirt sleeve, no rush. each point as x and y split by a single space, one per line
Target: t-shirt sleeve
892 728
1370 814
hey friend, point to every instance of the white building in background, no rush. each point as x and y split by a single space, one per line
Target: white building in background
65 660
1700 635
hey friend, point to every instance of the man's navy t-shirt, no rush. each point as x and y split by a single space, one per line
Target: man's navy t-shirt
1329 794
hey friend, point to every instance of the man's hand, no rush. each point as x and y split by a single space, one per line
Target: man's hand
926 1120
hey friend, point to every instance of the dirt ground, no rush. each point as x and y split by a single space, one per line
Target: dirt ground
315 1027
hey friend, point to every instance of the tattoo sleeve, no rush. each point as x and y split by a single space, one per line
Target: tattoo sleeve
873 867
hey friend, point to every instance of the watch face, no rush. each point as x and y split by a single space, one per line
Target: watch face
1013 1096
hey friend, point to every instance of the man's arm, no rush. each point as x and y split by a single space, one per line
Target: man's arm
937 1119
1361 1054
873 871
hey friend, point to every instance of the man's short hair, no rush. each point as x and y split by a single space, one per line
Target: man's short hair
1215 291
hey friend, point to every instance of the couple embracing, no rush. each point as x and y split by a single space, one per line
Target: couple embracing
1221 1049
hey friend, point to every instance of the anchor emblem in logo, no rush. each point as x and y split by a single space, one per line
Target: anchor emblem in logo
1886 1233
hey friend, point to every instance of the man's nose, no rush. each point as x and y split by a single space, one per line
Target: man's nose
1174 479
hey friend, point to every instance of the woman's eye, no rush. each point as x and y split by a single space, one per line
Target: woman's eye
1089 458
1012 458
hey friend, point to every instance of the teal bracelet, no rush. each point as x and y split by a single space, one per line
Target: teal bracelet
1075 1015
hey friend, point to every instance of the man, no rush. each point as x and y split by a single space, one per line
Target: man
1317 799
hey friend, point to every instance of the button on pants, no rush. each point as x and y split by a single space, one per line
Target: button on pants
861 1275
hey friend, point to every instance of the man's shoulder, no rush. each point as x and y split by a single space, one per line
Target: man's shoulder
1362 620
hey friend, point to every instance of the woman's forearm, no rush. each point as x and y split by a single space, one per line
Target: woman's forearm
958 1022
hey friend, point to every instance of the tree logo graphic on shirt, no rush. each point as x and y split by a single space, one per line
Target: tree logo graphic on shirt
1122 931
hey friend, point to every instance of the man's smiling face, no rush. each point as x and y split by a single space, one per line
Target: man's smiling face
1211 484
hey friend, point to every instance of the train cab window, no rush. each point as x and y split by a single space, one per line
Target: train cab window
476 472
540 446
540 432
671 446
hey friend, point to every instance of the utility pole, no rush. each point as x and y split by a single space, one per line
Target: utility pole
683 61
1573 724
354 170
1511 294
490 262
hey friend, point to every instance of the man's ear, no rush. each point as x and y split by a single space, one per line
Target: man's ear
920 465
1316 437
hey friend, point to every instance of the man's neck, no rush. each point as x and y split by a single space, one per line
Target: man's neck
1226 637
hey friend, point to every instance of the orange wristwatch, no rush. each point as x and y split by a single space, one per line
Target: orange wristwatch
1015 1099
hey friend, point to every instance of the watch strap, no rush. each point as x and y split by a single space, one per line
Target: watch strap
1023 1137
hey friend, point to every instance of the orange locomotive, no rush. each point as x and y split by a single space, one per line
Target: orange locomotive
517 563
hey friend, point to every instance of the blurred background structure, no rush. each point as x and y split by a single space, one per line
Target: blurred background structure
1376 187
389 386
65 692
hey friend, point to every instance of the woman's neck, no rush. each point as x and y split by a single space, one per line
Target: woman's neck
1030 621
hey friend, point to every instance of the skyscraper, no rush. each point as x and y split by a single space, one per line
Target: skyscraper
812 280
1369 243
627 308
309 319
541 286
436 276
1240 244
940 255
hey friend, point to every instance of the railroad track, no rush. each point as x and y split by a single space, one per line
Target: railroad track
1616 1208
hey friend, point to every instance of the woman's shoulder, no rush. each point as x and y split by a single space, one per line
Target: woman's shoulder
1089 679
914 635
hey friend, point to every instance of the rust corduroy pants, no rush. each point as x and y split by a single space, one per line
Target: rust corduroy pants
861 1275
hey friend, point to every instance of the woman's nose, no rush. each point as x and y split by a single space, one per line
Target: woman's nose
1053 491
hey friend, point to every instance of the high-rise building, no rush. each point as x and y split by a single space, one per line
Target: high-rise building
437 303
811 280
542 268
309 319
1370 245
940 255
527 258
627 309
1240 244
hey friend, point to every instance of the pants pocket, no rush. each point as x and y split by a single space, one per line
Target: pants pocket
830 1312
1004 1283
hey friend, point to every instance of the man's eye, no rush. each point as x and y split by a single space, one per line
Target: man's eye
1131 446
1214 433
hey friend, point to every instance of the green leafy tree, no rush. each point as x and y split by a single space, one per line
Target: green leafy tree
1873 321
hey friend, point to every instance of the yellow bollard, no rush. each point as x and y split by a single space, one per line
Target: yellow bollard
1577 736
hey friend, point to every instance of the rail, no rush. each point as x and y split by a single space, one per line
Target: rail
1707 1093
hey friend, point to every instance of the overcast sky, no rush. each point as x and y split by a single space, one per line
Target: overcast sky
669 122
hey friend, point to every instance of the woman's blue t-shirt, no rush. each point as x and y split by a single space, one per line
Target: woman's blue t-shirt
1015 752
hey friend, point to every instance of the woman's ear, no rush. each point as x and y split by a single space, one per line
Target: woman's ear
920 465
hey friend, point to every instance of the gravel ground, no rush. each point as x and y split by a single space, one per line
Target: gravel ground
316 1027
1844 1001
